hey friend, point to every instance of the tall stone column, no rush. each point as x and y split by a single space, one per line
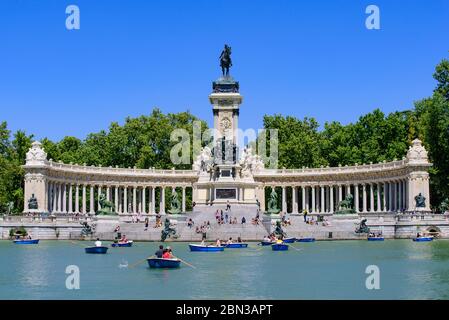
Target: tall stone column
116 198
322 208
303 198
55 198
313 199
384 198
364 197
294 202
378 208
84 210
153 200
340 193
92 202
77 198
162 205
134 199
390 197
371 197
125 199
64 199
331 199
356 198
348 189
284 200
99 188
183 199
144 200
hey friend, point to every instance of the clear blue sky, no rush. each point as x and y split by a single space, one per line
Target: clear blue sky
299 58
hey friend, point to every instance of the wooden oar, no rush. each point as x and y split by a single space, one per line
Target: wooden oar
293 247
138 262
190 265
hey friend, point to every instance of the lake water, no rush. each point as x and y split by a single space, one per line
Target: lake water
320 270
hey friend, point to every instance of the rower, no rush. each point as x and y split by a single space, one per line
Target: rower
159 252
229 241
123 239
218 243
239 240
98 243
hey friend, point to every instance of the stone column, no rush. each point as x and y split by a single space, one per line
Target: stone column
390 197
84 210
183 199
364 197
303 198
125 199
313 199
284 200
144 200
92 202
162 205
371 197
348 189
153 200
99 188
77 198
378 209
55 198
64 198
116 198
384 199
70 198
331 199
323 207
134 199
294 202
340 193
356 198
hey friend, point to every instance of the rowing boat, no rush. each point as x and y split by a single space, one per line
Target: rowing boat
423 239
99 250
26 241
305 240
236 245
164 263
200 248
289 240
279 247
123 244
376 239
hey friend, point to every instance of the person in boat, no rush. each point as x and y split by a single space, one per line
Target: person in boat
167 253
98 243
229 241
218 243
278 241
239 240
159 252
266 239
418 235
123 239
202 242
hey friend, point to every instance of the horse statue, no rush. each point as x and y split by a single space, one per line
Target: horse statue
273 203
362 227
345 206
225 60
175 204
168 231
107 207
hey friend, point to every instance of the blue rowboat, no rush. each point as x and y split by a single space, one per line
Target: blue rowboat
423 239
198 247
122 244
376 239
266 243
26 241
279 247
305 240
163 263
236 245
96 249
289 240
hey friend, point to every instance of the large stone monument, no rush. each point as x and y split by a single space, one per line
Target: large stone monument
35 183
